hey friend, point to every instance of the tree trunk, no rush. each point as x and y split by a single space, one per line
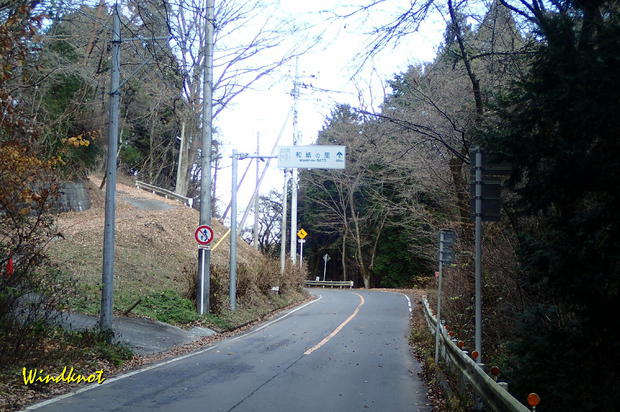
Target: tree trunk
359 257
460 188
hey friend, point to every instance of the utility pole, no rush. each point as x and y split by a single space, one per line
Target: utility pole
283 224
439 325
107 277
294 180
105 320
478 254
232 290
255 230
204 255
233 222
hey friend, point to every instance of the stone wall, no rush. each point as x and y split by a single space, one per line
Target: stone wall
73 196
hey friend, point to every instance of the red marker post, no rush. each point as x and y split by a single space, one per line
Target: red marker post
9 266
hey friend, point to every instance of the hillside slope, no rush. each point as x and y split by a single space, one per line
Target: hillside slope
156 251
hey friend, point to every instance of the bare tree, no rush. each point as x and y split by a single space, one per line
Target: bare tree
250 45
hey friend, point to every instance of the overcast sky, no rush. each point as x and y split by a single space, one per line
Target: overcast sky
332 67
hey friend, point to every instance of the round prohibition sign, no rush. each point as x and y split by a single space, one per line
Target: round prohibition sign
204 235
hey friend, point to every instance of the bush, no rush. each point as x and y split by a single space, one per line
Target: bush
168 306
30 287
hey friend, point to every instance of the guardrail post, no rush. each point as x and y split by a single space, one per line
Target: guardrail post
471 378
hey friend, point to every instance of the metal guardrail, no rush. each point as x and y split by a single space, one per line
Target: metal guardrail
492 393
331 283
188 201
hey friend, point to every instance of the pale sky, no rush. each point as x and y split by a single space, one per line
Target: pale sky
329 67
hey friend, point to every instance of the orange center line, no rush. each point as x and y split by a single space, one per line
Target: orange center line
339 328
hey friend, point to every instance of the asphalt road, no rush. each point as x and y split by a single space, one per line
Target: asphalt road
347 351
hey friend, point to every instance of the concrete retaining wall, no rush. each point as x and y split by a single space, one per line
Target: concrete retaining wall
73 196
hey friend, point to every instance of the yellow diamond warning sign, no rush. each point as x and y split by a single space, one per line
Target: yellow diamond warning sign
302 233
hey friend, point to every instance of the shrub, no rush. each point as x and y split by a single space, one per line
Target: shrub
30 287
168 306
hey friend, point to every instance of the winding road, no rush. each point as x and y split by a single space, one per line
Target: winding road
345 351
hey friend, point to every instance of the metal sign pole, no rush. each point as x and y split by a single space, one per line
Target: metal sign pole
294 216
301 252
283 224
478 255
326 259
202 254
324 268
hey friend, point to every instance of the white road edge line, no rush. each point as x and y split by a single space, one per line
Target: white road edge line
157 365
408 302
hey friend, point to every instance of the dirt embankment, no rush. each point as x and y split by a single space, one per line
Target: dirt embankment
155 251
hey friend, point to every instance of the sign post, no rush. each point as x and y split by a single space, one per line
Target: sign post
307 157
326 259
486 206
446 255
301 234
204 236
301 252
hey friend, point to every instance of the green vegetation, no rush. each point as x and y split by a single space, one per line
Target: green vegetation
168 306
227 320
443 387
559 127
93 344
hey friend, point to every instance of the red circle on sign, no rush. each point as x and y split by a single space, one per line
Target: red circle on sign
200 231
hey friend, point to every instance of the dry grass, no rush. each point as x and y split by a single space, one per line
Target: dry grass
156 251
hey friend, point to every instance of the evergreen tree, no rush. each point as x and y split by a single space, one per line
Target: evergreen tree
560 128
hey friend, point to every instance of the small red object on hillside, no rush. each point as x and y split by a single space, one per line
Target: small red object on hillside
9 266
